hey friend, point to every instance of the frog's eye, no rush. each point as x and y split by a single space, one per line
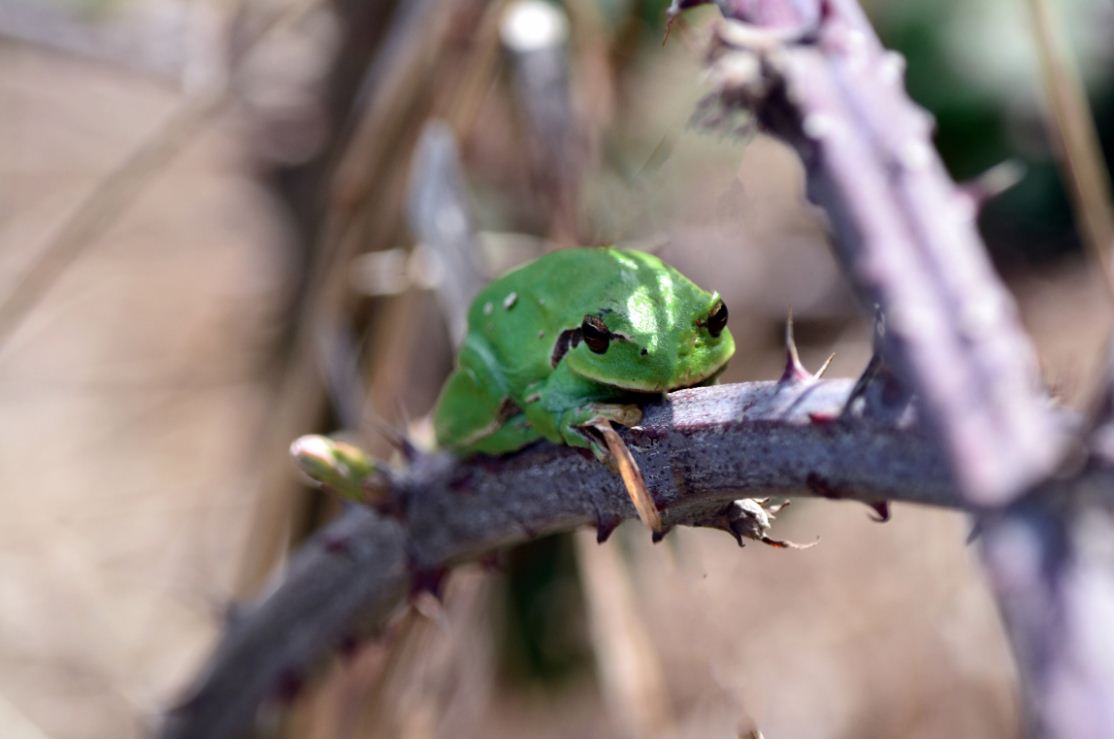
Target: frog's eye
595 334
717 318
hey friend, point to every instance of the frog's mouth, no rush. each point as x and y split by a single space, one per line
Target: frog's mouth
704 382
634 386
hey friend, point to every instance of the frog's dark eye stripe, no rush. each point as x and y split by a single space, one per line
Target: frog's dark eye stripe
595 333
567 339
717 318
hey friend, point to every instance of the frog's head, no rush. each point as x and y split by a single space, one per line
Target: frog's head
657 331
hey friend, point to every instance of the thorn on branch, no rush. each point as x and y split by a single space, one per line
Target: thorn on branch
821 487
431 608
337 543
794 371
857 398
431 581
977 527
824 367
290 684
882 509
494 561
605 527
349 647
822 418
992 183
825 489
396 438
878 394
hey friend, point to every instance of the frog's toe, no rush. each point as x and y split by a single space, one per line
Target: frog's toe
624 415
585 436
602 453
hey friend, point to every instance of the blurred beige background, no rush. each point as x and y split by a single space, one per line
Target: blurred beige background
136 392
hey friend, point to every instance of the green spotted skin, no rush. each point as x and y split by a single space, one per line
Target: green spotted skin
571 339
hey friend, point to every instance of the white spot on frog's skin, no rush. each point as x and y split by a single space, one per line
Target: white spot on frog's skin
488 308
541 334
509 301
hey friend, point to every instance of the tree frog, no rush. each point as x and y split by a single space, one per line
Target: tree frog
569 341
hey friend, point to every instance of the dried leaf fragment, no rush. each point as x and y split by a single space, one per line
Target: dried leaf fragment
632 476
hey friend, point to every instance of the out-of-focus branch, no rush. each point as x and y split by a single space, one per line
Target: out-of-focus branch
337 213
903 231
355 568
442 220
535 35
1051 562
698 449
908 241
1050 559
116 191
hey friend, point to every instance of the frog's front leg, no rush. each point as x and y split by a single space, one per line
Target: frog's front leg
565 405
579 413
575 425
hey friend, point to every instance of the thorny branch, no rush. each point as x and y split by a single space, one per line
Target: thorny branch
699 450
814 74
1050 558
904 233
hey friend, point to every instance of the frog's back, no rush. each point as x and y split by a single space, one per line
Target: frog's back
560 282
520 315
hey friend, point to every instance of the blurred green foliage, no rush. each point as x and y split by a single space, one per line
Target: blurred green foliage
543 638
974 67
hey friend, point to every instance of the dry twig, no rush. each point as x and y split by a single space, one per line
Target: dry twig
1071 124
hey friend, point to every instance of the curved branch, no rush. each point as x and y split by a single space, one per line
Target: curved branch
698 449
